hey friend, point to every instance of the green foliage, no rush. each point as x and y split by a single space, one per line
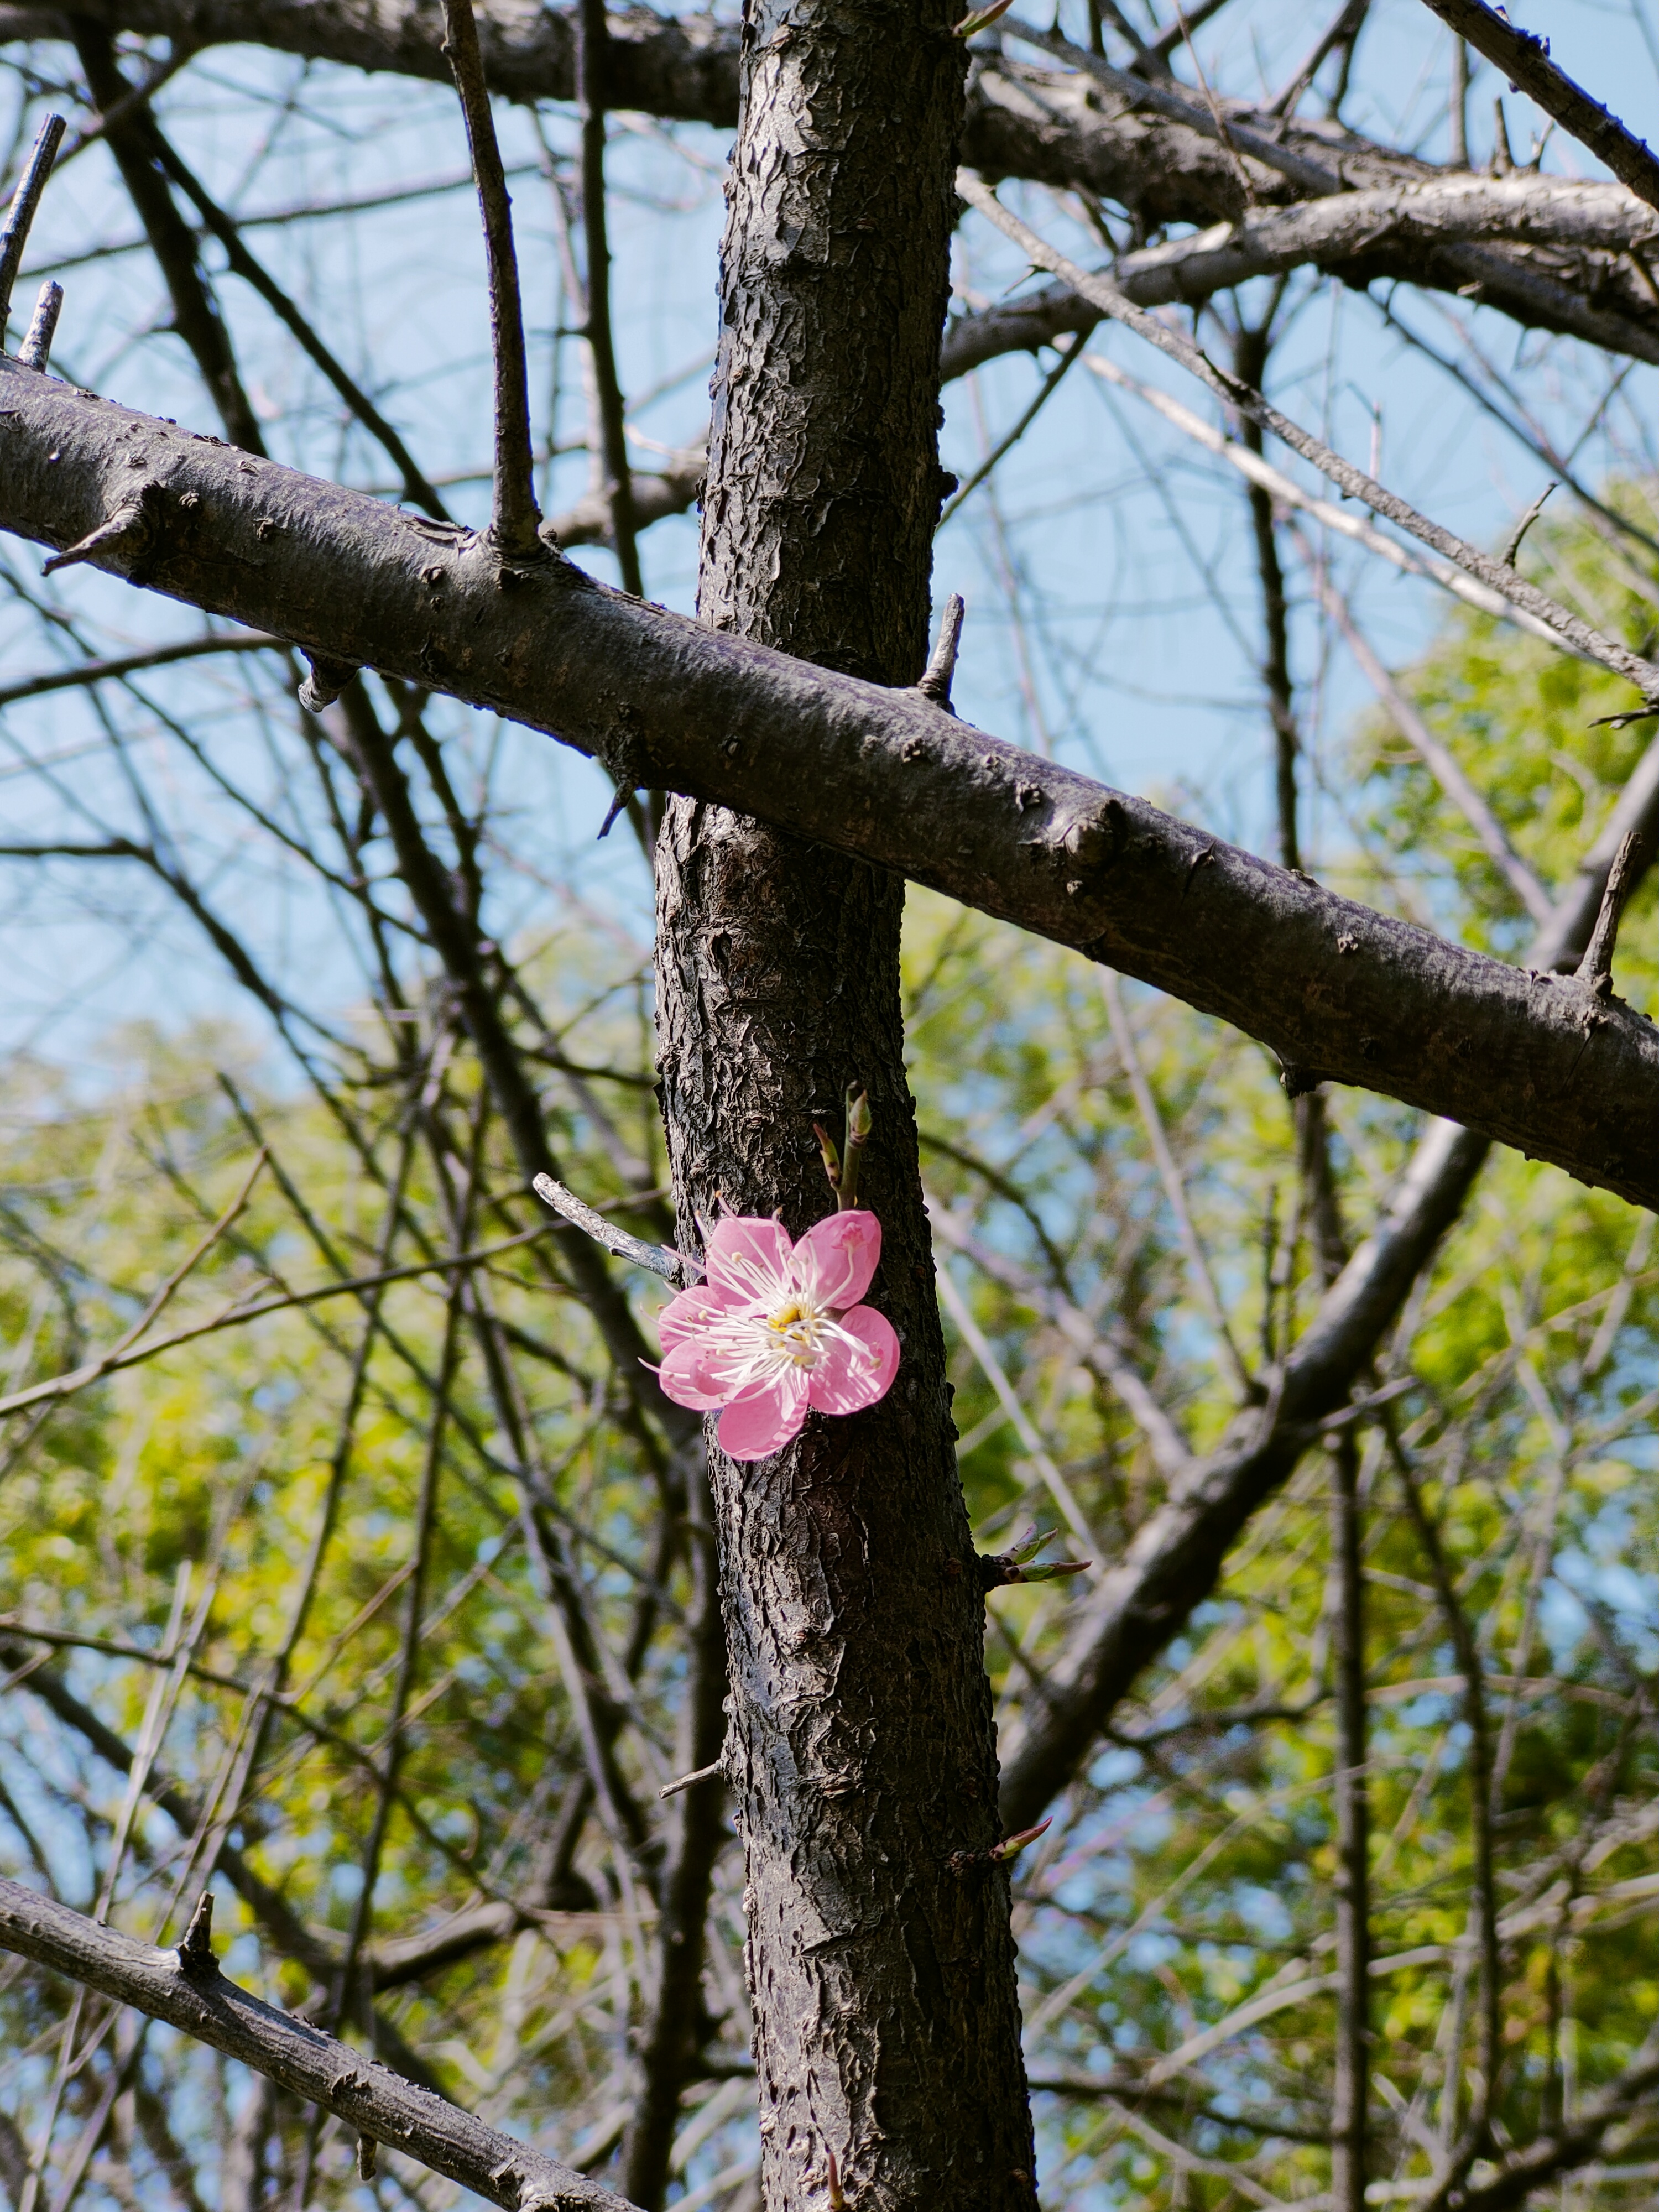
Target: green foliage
229 1526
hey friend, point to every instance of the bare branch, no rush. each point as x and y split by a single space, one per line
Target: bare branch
133 141
1021 122
1104 295
1175 1556
592 40
515 517
672 1266
128 664
24 202
196 1999
1335 988
253 272
1524 59
1436 757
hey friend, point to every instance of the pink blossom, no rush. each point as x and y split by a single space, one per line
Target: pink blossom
776 1328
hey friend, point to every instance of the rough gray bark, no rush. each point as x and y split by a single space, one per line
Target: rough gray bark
1051 127
1340 992
860 1745
190 1993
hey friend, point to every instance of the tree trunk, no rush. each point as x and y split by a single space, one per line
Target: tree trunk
861 1750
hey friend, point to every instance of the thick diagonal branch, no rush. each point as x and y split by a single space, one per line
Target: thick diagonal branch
1337 991
1524 59
195 1998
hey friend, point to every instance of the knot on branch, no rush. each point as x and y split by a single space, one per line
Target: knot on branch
327 679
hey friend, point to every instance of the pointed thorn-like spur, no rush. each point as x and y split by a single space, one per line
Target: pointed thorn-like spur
1595 969
967 1863
128 531
196 1956
942 663
516 516
24 202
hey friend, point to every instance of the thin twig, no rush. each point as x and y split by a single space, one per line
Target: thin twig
592 42
1100 292
236 1317
1287 493
1005 444
1512 543
514 515
1436 757
127 664
1169 1175
416 486
25 201
672 1266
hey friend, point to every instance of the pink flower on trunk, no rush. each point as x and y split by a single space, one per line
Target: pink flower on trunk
777 1329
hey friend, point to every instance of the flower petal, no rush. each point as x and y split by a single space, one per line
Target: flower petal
764 1418
691 1377
835 1260
749 1255
858 1363
699 1308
